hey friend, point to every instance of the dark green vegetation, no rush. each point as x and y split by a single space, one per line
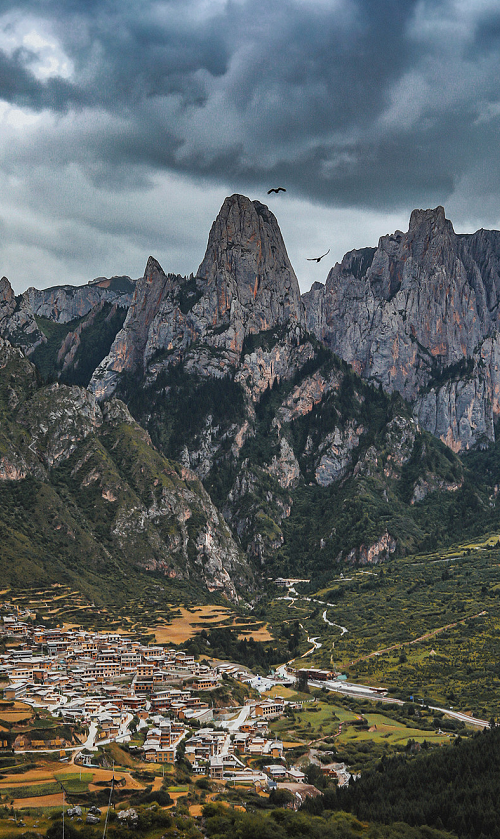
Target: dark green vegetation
92 336
224 643
379 480
456 789
222 823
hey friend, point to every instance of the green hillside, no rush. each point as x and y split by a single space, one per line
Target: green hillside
87 501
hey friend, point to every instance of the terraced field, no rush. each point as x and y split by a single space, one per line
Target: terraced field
149 618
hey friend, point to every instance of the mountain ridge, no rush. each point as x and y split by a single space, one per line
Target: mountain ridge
291 409
416 306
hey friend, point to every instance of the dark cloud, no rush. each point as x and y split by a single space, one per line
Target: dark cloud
381 104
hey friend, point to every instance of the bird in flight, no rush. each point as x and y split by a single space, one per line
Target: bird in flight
279 189
317 258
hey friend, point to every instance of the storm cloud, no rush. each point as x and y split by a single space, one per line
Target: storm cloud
125 123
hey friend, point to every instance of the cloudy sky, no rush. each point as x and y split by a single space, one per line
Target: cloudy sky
125 123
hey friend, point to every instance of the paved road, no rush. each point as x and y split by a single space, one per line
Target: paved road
233 725
343 629
367 692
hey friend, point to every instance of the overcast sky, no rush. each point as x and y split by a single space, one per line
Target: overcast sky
125 123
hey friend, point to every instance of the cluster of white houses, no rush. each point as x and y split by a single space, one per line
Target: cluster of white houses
109 678
67 669
107 681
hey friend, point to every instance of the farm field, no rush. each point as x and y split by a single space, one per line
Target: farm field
15 712
50 781
326 720
382 729
152 619
186 623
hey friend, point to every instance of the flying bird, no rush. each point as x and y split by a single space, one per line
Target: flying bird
317 258
279 189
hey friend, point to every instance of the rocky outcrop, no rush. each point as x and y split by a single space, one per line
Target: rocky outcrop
58 419
260 369
306 395
432 484
65 303
400 436
121 499
336 453
245 285
285 467
420 303
372 554
7 300
17 322
460 413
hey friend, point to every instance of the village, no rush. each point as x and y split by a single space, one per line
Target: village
113 688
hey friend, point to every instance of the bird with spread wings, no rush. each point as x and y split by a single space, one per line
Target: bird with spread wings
318 258
277 189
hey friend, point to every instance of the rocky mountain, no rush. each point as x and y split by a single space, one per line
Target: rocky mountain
300 425
420 314
221 370
85 495
245 285
66 328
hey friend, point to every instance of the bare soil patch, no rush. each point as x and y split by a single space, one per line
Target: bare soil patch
261 634
39 801
184 627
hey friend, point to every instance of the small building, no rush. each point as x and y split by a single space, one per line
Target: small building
270 708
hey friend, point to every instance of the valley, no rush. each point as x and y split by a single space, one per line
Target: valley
326 735
250 539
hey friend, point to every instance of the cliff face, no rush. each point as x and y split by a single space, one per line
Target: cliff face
410 313
65 303
244 285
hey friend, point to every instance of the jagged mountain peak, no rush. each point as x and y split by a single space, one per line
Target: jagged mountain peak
6 291
413 313
153 267
246 253
244 285
435 220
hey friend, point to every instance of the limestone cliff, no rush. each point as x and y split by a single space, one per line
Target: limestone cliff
408 313
245 285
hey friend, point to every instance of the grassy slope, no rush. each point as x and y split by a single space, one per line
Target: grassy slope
85 521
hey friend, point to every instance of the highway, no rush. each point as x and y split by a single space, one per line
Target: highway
367 692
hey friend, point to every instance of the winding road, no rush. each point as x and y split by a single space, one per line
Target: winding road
367 691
